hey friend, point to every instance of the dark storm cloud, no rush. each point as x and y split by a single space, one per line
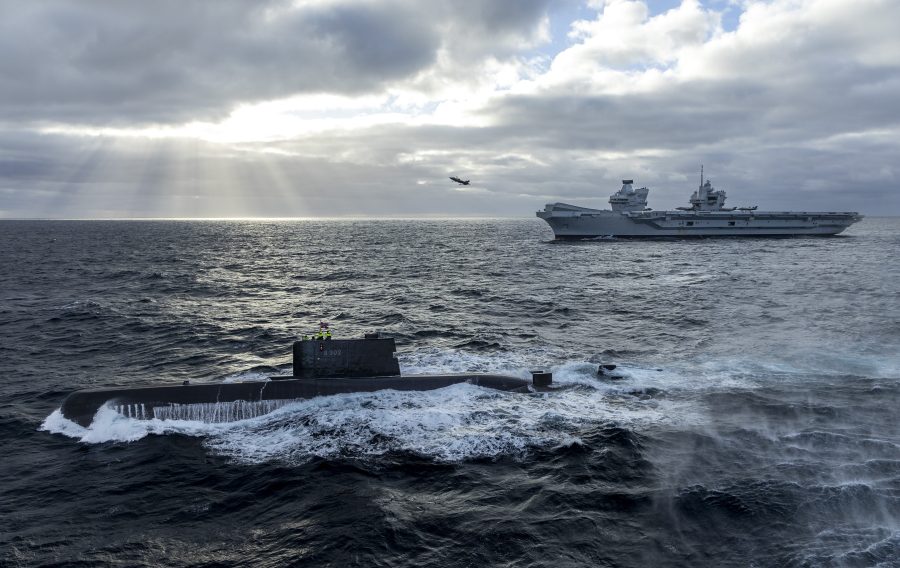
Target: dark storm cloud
173 61
701 113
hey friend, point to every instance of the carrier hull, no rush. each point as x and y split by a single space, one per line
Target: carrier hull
572 222
707 216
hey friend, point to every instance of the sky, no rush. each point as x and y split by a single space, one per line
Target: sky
330 108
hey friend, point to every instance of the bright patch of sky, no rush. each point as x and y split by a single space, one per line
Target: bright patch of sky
560 18
730 10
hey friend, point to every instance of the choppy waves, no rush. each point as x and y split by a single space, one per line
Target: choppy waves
754 422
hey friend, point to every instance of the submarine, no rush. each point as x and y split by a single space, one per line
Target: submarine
322 367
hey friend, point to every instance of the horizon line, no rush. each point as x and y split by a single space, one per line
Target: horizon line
322 218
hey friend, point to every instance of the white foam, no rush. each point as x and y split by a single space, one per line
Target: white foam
56 423
451 424
110 426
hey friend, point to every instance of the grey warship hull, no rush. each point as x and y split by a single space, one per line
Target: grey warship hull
573 222
707 216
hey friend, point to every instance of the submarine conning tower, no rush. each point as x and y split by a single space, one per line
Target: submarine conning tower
372 356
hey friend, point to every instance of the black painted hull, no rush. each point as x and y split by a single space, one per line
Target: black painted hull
146 402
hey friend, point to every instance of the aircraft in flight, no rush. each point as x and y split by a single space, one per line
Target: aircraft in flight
459 181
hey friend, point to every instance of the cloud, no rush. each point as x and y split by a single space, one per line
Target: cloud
625 35
173 61
335 107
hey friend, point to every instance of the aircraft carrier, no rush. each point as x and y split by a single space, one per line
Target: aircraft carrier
707 216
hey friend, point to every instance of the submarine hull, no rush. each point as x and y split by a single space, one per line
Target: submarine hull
321 368
159 401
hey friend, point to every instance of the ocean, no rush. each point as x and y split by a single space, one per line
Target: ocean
756 421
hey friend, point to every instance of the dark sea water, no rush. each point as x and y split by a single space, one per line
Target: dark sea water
757 423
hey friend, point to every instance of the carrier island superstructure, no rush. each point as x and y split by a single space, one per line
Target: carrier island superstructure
707 216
